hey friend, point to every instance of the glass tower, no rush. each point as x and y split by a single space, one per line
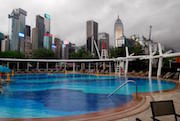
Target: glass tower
41 30
118 33
17 29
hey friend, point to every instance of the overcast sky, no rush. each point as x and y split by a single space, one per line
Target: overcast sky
68 17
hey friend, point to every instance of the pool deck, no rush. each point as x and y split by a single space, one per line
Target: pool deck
129 112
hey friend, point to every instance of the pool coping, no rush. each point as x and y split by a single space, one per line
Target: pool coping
123 111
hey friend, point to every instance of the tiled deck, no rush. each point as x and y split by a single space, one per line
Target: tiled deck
145 115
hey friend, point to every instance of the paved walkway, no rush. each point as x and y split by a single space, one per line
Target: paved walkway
145 115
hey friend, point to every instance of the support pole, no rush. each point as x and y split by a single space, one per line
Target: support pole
96 66
127 61
109 67
65 67
150 61
8 64
74 67
17 66
37 66
56 67
89 68
160 61
159 67
27 66
47 68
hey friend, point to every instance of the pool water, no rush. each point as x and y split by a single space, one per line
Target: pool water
54 95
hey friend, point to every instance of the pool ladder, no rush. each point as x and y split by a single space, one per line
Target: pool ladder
123 86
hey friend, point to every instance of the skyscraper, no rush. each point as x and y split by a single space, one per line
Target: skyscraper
41 30
27 31
28 43
118 33
47 20
92 34
34 38
58 49
47 42
17 29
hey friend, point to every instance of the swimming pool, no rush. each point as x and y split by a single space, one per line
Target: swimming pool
54 95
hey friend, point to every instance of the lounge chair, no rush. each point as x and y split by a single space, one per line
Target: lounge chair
162 108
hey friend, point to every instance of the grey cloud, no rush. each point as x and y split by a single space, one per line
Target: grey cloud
69 17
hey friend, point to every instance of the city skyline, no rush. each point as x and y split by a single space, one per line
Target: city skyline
69 17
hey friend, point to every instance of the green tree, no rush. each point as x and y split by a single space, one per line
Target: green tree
80 54
43 53
117 52
11 54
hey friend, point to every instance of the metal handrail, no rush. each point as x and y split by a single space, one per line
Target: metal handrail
124 85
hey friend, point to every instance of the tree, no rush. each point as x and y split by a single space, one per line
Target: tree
117 52
11 54
81 54
43 53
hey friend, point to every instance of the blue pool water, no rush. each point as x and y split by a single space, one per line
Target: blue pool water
54 95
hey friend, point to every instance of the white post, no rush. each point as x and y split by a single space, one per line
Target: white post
109 67
8 64
150 61
47 68
27 66
17 66
56 67
38 66
74 66
127 62
65 67
89 68
96 66
119 66
160 61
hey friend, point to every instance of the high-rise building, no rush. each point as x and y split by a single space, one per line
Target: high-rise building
28 43
103 41
58 47
65 49
28 47
118 33
35 39
72 47
27 31
47 42
92 35
5 44
47 20
41 30
1 38
17 29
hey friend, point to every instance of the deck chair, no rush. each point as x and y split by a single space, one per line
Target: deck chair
162 108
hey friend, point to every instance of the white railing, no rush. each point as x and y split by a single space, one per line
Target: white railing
123 86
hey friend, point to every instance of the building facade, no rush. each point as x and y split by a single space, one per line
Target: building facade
34 38
47 23
5 44
27 31
58 47
41 30
119 33
28 47
47 42
17 29
92 34
65 49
